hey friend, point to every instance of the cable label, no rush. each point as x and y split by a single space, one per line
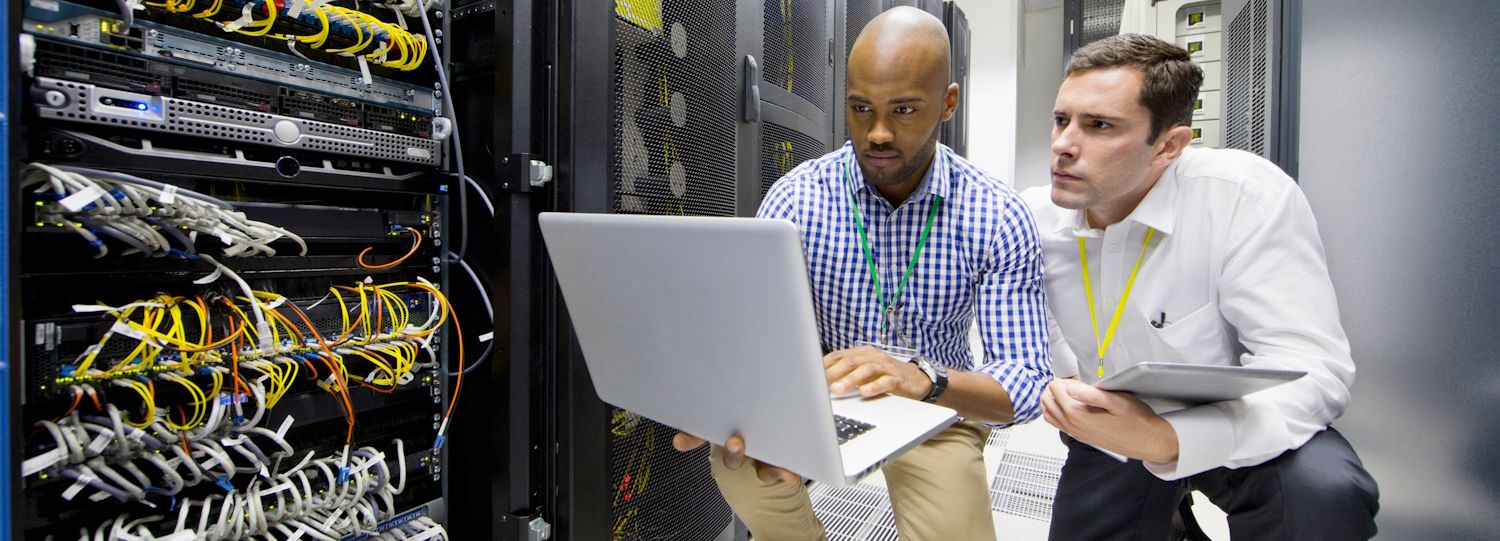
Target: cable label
83 481
42 461
124 329
98 445
77 201
168 195
286 424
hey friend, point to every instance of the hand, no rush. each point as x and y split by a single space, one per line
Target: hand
1118 422
734 457
874 372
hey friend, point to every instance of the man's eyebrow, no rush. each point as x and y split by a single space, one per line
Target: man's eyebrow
909 99
1091 116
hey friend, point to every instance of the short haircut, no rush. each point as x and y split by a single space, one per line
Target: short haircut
1169 82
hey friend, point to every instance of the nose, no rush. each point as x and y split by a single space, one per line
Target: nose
879 133
1064 144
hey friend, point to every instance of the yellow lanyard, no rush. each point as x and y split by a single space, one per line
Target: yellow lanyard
1088 290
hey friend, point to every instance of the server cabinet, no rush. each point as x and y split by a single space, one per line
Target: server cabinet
232 269
654 117
956 130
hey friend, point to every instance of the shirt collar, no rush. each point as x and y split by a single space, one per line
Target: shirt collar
937 181
1156 210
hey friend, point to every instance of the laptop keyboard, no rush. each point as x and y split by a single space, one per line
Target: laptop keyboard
849 429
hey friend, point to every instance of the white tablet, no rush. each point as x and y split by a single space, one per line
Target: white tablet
1192 384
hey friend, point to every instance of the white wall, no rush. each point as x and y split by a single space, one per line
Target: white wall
1015 68
1398 161
994 54
1039 75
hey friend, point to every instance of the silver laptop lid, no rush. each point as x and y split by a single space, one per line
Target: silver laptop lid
702 324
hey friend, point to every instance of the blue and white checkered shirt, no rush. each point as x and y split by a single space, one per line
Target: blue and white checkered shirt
982 257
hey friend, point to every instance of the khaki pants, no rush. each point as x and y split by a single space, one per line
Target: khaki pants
937 490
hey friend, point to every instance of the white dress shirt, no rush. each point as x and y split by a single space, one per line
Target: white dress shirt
1237 269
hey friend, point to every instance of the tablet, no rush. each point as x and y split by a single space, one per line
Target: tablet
1193 384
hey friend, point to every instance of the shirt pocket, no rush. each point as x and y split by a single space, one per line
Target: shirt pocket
1197 338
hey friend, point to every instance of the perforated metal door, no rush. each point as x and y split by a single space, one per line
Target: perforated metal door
796 58
1246 91
782 150
676 107
857 14
675 91
1101 19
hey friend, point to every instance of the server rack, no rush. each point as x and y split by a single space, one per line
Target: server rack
956 130
796 50
1262 50
653 102
337 153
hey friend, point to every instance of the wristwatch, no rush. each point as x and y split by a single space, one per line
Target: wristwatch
935 372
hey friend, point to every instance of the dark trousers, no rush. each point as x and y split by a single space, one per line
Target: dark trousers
1319 491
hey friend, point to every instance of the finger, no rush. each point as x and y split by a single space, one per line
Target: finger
1053 413
734 452
883 384
772 474
1093 396
686 442
833 358
861 375
837 371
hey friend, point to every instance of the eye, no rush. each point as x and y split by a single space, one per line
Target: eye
1102 125
903 110
860 108
1059 121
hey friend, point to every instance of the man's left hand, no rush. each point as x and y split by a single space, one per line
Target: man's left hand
873 372
1118 422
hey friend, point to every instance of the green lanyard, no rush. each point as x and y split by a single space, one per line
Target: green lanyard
864 242
1088 289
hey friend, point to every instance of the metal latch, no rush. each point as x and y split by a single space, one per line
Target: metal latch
539 530
524 172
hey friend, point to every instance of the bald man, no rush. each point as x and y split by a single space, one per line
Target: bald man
906 244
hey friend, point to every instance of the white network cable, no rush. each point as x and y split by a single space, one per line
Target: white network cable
146 215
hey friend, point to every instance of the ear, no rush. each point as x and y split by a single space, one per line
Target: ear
1170 145
950 101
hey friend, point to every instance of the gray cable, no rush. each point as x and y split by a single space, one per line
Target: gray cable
458 148
489 347
132 179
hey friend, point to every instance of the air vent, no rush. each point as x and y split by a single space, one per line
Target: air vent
781 150
796 58
675 91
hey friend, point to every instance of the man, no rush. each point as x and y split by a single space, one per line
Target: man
1159 252
944 241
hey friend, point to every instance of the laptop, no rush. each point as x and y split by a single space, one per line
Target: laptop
706 325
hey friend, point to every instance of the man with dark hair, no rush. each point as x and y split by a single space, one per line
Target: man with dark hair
1160 252
907 243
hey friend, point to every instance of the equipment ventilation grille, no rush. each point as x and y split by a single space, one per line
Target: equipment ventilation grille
1246 87
676 109
796 57
782 150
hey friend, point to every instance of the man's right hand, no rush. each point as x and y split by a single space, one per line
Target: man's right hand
734 457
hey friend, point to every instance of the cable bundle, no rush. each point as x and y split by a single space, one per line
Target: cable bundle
323 498
147 215
377 41
207 347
